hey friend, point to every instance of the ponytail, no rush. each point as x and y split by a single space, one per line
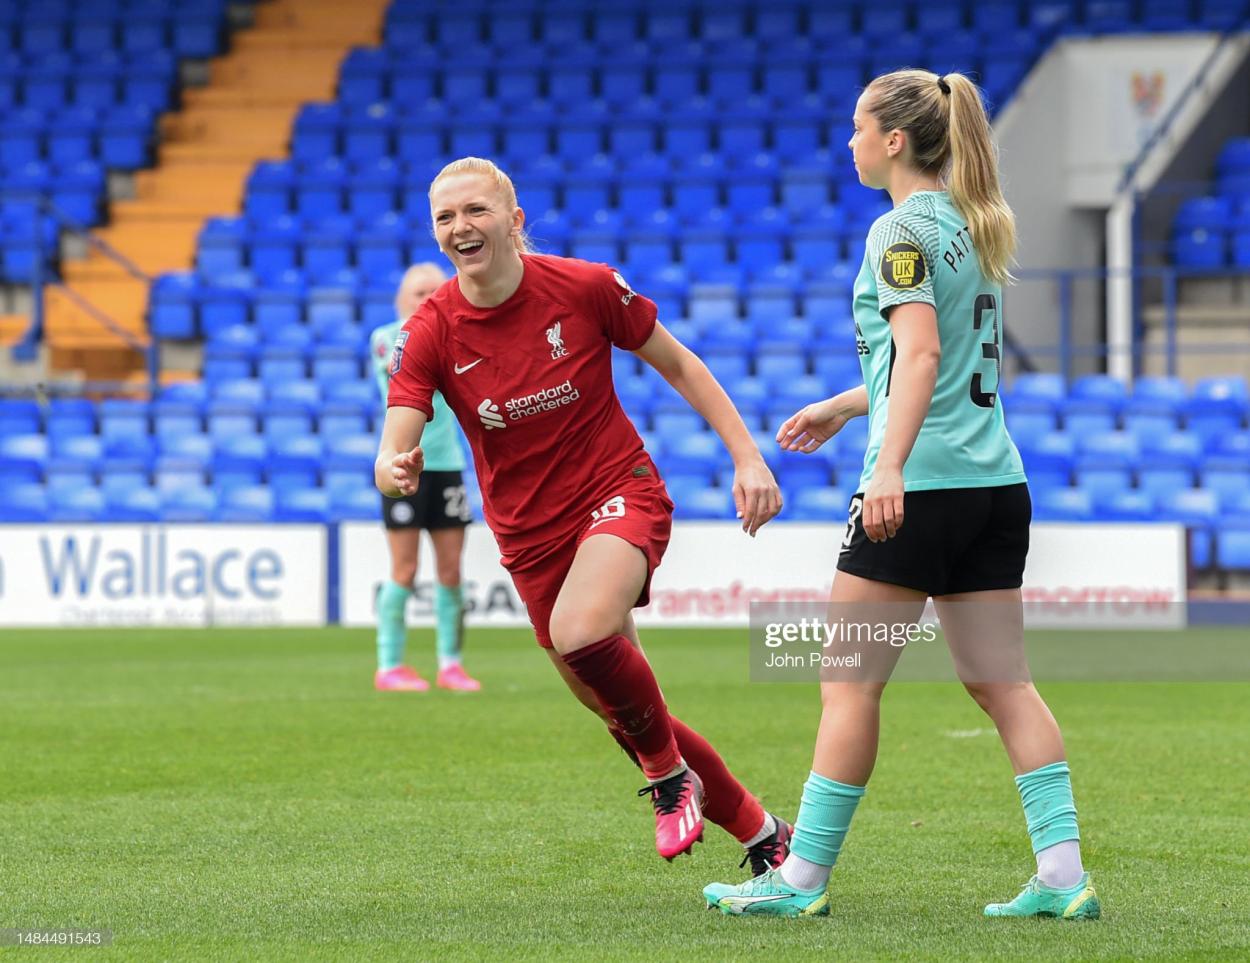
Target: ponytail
950 137
973 180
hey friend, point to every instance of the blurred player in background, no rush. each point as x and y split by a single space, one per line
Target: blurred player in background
943 508
521 346
439 506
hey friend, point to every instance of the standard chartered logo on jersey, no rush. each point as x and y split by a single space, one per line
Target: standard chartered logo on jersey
549 399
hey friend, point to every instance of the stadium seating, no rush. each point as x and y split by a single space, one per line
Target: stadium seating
80 92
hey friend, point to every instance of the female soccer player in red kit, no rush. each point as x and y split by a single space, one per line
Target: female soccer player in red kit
520 345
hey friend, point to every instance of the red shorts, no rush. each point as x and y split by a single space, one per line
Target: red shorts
641 516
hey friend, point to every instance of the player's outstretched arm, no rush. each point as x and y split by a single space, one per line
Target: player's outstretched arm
809 428
756 495
400 460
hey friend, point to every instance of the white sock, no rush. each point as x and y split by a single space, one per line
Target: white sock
1058 866
801 874
769 827
681 767
447 661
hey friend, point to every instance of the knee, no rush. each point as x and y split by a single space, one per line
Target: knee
994 697
571 631
448 574
404 573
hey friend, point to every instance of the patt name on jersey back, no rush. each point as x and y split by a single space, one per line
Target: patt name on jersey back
959 248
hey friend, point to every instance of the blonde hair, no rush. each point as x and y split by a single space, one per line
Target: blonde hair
422 267
480 165
949 132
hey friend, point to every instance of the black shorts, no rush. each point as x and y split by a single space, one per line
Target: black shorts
439 502
953 540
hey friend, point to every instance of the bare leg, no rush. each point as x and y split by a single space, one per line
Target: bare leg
985 632
850 720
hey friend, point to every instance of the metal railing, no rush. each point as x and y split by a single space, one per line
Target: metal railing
1067 349
42 276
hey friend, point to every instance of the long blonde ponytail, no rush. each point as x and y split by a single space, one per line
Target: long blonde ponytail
950 136
973 180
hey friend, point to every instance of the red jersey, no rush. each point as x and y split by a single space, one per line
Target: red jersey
530 382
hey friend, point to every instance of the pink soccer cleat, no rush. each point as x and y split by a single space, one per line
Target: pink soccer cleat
455 678
399 679
771 851
678 803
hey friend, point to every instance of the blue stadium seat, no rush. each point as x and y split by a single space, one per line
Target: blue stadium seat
1089 416
176 418
672 423
171 473
1176 450
245 503
269 190
355 503
1229 478
76 504
1051 455
1125 505
1064 504
123 418
284 420
1232 545
245 391
818 504
19 417
1164 484
301 505
1200 248
1192 507
694 452
137 504
363 76
226 419
705 503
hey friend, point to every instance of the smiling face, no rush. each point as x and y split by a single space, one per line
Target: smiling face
474 227
870 147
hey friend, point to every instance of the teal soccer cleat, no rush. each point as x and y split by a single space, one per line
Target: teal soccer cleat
1078 903
766 895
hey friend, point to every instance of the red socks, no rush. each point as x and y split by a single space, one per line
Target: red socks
625 686
727 803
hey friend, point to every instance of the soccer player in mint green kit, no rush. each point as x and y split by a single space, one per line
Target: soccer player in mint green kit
943 508
439 506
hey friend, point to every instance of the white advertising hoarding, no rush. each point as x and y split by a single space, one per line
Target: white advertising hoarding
1078 576
134 575
489 598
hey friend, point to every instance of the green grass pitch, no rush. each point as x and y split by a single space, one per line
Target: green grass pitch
246 795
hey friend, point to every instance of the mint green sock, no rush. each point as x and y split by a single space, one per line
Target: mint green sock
824 818
449 611
1049 809
392 631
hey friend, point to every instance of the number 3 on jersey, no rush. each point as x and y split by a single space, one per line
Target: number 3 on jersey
852 516
986 304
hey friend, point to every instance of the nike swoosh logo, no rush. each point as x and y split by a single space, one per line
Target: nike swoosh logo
471 364
749 900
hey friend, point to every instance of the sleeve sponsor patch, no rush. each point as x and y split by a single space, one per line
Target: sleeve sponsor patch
629 292
397 353
903 266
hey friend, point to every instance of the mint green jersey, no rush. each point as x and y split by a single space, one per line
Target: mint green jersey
440 442
922 251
